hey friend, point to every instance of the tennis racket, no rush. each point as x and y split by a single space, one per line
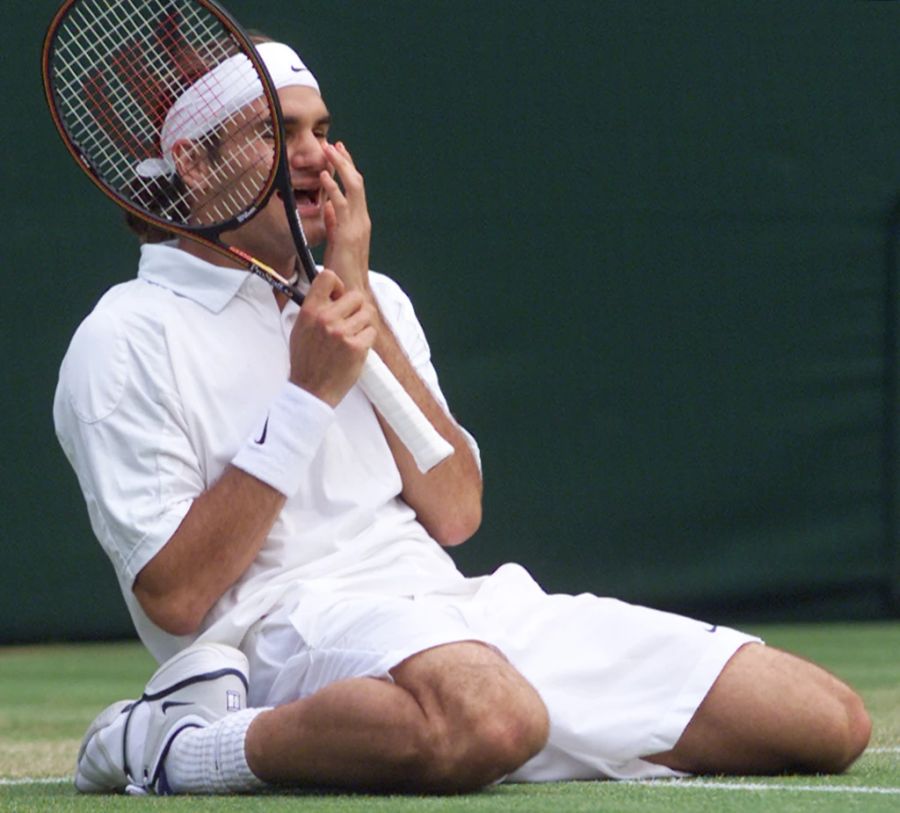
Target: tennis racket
122 76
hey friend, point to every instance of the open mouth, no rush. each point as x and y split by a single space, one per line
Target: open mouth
306 200
306 197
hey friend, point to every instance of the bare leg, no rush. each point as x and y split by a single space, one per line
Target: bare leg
772 712
457 717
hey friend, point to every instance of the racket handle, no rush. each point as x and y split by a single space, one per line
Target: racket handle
402 414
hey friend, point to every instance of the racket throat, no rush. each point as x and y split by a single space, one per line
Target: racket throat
269 274
289 199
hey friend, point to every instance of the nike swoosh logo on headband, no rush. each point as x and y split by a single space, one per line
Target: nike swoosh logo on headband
297 70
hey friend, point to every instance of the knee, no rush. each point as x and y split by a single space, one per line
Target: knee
455 758
479 719
853 728
505 739
841 734
860 730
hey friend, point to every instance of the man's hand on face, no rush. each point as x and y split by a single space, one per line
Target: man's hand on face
347 225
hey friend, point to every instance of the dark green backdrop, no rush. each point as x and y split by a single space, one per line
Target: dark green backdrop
651 242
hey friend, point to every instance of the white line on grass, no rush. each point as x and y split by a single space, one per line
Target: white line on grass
662 783
705 785
35 780
680 783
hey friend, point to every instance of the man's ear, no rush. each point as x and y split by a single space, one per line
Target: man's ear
191 164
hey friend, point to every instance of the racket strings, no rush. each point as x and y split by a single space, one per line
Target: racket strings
118 67
239 167
104 49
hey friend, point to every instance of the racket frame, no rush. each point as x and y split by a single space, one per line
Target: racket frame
278 179
425 443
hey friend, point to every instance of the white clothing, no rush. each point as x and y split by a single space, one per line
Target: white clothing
619 681
169 377
165 381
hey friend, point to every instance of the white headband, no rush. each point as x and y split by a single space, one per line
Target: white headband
219 94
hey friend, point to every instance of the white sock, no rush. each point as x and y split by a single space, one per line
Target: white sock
212 759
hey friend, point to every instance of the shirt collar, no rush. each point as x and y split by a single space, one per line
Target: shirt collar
209 285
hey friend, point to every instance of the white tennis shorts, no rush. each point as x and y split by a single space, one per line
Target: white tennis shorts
619 681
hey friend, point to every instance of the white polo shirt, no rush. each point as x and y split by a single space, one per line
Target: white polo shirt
165 381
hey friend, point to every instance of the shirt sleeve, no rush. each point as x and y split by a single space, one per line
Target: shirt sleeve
118 421
399 312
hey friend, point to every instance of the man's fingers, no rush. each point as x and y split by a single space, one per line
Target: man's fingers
330 297
339 155
326 287
348 227
330 217
352 180
358 324
333 191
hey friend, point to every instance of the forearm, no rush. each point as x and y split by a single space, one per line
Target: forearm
447 499
228 523
215 543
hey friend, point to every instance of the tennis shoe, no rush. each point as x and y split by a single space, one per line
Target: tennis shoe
100 767
198 686
126 746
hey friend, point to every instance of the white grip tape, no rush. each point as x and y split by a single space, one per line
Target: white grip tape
402 414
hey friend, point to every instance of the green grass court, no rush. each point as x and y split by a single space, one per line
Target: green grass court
50 693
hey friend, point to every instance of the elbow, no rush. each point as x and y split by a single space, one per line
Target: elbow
180 624
175 614
458 527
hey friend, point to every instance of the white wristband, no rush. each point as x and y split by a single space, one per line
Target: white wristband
287 439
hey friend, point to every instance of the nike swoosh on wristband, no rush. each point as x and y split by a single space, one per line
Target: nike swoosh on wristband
262 438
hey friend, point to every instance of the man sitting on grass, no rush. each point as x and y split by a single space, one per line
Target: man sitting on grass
283 558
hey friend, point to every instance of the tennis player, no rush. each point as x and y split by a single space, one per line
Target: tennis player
283 558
